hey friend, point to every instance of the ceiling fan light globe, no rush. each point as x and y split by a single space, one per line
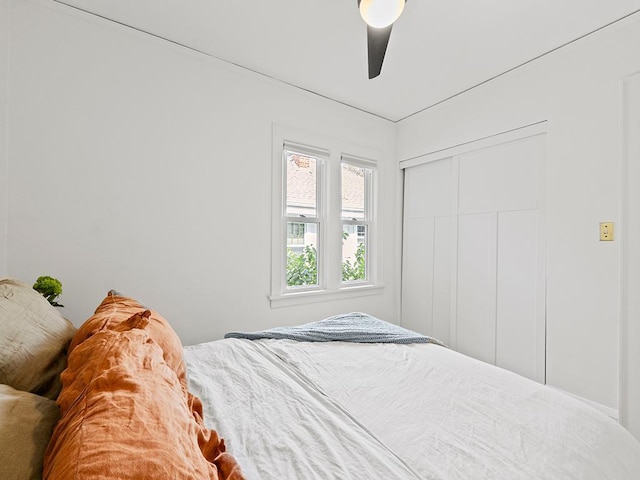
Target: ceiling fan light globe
381 13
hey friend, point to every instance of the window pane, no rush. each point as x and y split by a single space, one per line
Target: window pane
301 185
295 234
354 253
302 254
353 192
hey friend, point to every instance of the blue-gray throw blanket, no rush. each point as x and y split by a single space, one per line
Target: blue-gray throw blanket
349 327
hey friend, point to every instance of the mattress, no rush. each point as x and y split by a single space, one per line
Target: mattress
301 410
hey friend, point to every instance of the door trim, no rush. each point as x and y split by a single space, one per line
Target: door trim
519 133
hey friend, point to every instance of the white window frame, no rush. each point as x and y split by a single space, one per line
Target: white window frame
369 215
322 157
331 153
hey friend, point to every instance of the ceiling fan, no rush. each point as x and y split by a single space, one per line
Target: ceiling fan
379 15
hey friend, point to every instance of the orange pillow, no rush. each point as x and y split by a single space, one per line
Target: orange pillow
126 416
116 309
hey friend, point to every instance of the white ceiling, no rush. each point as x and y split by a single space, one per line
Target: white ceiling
437 48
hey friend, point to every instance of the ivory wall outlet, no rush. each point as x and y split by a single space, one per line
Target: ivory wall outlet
606 231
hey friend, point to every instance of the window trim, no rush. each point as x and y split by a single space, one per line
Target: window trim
330 282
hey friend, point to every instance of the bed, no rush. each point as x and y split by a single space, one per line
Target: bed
383 410
364 400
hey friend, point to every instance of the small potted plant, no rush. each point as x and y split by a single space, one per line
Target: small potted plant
50 288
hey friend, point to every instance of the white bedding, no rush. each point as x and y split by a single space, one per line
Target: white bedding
275 425
342 410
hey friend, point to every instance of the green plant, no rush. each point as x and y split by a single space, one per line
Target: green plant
50 288
302 268
357 270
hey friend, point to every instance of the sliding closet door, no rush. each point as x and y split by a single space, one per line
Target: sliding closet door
473 264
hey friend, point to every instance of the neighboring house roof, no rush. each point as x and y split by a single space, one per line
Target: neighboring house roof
301 181
301 184
353 188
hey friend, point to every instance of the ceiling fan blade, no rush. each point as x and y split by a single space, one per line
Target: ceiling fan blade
377 41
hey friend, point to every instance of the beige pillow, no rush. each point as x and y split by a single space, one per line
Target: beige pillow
33 340
26 424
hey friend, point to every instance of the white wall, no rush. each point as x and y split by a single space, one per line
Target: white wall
4 106
578 90
141 166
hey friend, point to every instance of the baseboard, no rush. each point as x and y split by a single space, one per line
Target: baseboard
608 411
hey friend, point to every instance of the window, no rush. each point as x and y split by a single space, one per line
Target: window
302 208
323 223
356 217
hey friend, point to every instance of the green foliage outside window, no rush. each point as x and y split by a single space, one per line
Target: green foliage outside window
357 270
302 268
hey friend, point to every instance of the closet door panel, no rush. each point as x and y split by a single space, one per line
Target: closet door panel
417 277
476 291
517 294
501 178
442 279
428 190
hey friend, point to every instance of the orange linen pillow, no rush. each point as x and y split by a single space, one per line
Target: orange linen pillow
126 416
116 309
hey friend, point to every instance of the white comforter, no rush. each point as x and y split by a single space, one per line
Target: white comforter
337 410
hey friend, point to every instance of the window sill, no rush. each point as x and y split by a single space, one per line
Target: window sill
303 298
